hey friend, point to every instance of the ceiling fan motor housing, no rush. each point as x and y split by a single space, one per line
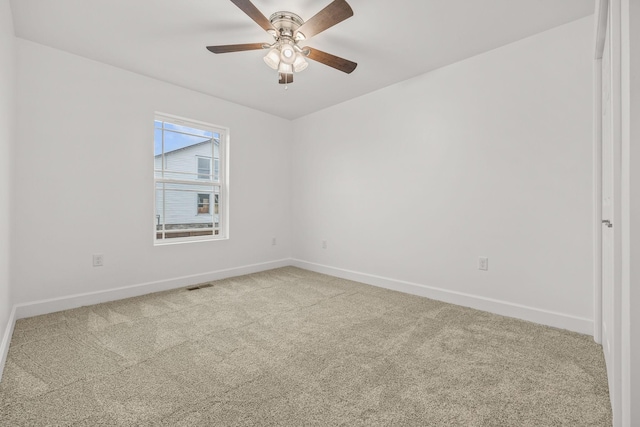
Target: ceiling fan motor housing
286 25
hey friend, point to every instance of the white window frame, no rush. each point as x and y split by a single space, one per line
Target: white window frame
222 183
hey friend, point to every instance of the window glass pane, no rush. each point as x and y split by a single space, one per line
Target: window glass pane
159 206
174 211
216 207
183 163
185 129
216 160
174 141
157 142
204 168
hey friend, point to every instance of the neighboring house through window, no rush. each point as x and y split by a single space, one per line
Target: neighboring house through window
184 153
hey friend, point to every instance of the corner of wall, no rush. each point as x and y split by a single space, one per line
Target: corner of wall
7 133
5 341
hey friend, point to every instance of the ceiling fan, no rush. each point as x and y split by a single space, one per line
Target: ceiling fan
288 29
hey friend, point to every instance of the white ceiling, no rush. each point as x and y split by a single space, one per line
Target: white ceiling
390 40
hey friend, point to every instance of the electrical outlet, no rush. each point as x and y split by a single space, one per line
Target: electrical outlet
273 241
483 263
98 260
324 244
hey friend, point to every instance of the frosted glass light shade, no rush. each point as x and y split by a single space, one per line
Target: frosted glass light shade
299 64
287 54
285 68
273 58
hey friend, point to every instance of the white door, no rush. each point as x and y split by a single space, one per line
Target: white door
611 237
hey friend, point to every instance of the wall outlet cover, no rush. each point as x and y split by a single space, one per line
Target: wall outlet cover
98 260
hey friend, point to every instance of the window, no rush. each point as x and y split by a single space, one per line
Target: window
204 167
190 165
203 203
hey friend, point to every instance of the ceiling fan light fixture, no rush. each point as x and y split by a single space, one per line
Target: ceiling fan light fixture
299 64
287 53
272 59
288 29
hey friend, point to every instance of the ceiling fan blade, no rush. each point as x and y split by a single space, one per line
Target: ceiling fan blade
336 12
336 62
285 78
247 7
226 48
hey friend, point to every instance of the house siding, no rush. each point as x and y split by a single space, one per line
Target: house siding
182 205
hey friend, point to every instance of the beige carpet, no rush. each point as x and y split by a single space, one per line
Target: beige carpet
289 347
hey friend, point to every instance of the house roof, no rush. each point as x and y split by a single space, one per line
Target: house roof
188 147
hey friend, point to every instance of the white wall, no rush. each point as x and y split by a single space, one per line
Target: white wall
490 156
7 82
84 179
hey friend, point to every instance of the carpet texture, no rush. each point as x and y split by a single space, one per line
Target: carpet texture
289 347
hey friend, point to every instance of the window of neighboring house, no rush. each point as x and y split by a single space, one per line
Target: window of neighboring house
177 142
203 203
204 167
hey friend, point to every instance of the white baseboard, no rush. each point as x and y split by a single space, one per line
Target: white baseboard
36 308
544 317
503 308
6 340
